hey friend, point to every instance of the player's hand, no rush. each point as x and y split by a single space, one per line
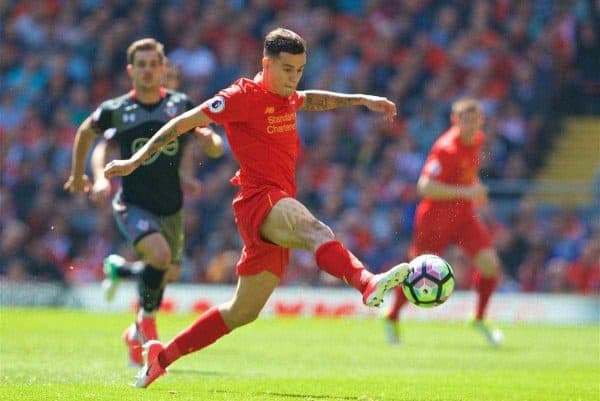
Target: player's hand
119 168
381 105
77 184
211 142
100 191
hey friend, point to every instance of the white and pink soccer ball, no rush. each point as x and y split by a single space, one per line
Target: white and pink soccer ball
430 282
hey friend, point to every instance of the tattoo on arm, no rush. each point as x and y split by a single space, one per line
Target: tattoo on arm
166 137
316 100
170 131
161 138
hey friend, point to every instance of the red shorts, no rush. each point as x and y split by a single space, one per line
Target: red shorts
436 228
250 209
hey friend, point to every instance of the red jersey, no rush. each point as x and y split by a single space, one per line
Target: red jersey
454 163
261 130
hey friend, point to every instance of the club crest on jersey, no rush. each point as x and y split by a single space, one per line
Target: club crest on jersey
170 109
216 104
433 168
269 110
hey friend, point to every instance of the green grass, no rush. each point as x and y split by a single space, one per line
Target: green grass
72 355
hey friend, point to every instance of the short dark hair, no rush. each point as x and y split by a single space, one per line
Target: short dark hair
143 45
283 40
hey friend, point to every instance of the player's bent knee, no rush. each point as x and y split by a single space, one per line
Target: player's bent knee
155 251
315 233
160 258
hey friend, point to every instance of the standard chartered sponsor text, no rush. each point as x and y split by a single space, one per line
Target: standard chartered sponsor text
274 123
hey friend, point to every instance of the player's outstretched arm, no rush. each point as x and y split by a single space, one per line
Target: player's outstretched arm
318 100
84 138
166 134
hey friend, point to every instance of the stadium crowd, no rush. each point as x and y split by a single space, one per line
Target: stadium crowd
524 60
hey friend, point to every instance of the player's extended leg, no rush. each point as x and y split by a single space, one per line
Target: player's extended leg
162 252
488 265
291 225
250 297
156 254
151 237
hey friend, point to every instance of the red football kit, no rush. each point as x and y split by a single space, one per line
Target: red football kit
439 223
261 130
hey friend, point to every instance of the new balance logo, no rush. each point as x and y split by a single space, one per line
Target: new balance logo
269 110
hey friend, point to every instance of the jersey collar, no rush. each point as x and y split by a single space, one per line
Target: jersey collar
162 91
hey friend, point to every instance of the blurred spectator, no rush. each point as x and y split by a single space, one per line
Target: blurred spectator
583 274
587 63
12 243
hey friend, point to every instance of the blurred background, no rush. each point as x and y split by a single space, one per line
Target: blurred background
534 64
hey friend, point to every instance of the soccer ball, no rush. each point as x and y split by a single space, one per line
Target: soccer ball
430 282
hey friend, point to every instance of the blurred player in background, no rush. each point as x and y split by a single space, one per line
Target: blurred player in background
148 207
447 214
115 266
259 116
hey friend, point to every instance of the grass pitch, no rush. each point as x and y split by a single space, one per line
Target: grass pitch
73 355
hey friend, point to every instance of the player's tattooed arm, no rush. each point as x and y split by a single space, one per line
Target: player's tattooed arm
169 132
166 134
317 100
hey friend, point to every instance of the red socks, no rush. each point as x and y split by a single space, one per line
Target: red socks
484 286
398 301
207 329
336 260
147 326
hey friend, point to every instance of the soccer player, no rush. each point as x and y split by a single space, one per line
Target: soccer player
115 266
450 190
259 116
148 208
